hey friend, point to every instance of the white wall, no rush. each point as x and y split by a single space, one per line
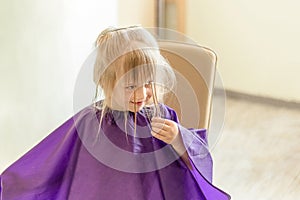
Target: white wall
132 12
43 44
257 43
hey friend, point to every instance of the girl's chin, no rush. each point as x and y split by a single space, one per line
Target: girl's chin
132 107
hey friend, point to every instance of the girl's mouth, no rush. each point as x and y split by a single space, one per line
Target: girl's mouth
138 103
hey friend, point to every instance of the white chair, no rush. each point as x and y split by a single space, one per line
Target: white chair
195 68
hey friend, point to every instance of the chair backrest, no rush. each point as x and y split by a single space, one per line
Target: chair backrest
195 69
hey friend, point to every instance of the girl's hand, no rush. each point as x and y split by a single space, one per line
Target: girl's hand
167 131
164 129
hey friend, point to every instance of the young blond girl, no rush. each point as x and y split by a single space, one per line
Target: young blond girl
128 145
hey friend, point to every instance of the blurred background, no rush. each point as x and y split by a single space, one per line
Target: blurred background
44 43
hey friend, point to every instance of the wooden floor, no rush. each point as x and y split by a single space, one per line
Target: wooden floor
258 154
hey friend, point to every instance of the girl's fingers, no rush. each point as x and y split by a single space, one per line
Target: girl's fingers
159 130
153 132
160 120
158 135
161 136
164 129
160 126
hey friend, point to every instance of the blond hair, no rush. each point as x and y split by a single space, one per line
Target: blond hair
130 49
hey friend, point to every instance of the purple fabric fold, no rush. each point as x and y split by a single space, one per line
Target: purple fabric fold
80 160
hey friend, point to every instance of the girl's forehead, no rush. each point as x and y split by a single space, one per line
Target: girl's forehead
136 76
133 77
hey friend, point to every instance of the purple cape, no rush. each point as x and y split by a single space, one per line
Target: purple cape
80 161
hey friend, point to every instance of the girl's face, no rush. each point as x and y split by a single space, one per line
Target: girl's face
132 94
138 95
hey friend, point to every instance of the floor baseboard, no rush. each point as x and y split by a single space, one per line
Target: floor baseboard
258 99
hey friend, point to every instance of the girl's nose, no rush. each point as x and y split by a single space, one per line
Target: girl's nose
141 93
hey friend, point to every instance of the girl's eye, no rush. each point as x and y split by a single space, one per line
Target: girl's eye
133 87
130 87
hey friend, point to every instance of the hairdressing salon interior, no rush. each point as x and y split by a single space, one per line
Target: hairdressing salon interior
255 124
